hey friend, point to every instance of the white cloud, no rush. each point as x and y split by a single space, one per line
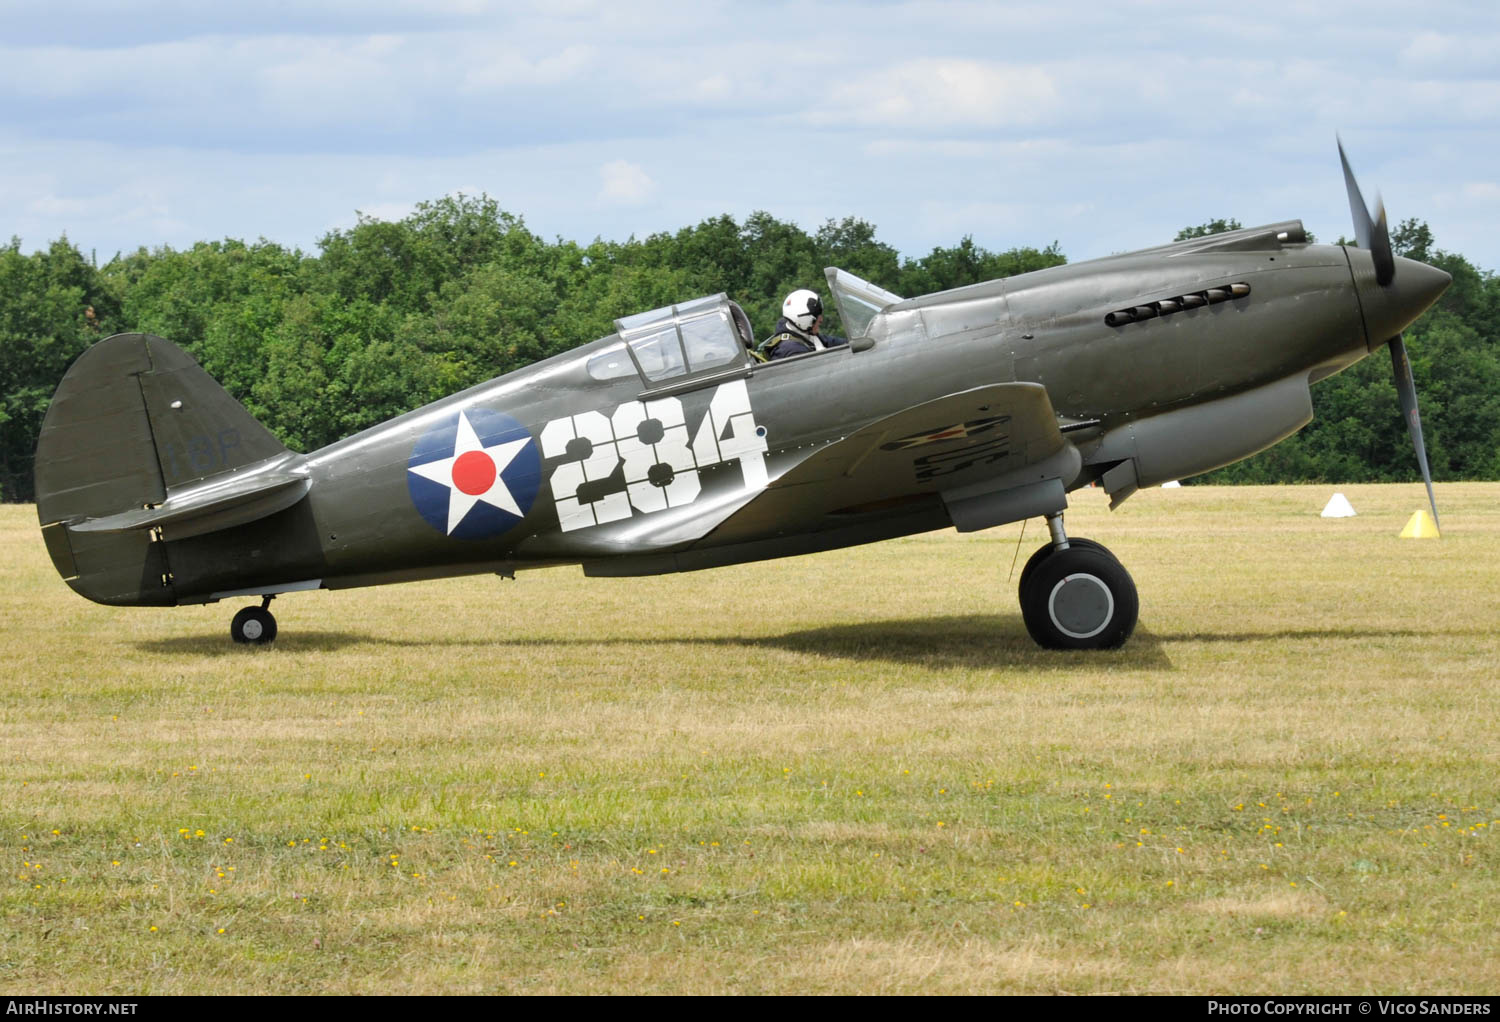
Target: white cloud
170 121
499 69
625 183
1451 53
715 87
1029 149
942 92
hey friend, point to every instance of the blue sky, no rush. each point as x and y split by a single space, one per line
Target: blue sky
1104 126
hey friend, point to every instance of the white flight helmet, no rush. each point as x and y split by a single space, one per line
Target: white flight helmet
802 308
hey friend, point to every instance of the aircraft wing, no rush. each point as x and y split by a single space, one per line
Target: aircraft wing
967 450
943 444
973 459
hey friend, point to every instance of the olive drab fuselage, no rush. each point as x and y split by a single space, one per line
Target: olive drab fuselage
668 446
728 432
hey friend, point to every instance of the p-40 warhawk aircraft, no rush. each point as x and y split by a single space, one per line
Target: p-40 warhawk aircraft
668 446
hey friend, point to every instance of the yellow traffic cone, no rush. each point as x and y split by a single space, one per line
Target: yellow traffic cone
1420 526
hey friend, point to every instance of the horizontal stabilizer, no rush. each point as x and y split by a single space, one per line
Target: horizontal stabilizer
221 503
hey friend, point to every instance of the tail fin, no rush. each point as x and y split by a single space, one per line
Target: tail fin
137 426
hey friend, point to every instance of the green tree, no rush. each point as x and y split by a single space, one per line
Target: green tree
53 305
1205 229
404 263
391 315
967 263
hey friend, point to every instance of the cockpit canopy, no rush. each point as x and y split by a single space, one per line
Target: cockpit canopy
677 340
710 333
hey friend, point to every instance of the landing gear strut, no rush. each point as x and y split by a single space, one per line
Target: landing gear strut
254 625
1076 595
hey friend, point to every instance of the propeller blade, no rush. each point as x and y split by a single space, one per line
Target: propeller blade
1372 234
1380 248
1406 389
1357 208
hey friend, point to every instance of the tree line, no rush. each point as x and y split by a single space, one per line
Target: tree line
388 316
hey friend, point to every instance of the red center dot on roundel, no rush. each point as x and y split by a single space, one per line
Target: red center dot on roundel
474 472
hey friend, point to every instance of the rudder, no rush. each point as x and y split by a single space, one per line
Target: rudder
133 419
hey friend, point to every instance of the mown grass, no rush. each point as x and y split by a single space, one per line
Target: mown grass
845 773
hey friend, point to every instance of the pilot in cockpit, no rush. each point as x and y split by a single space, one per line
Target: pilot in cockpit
798 331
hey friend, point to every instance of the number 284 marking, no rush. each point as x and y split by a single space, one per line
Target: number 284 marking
661 463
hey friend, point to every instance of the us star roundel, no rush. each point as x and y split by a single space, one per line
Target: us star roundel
475 474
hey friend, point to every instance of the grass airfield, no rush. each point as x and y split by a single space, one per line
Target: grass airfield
845 773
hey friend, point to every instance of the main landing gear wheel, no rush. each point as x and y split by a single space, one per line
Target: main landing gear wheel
254 625
1047 551
1078 598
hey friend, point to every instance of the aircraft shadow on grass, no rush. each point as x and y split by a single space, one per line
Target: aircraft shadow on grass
965 641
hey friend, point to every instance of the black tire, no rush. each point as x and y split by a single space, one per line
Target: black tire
1044 552
253 625
1080 598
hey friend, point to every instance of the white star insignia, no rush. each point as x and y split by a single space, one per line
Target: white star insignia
498 494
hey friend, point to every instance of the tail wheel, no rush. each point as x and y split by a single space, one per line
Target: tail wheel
1079 598
253 625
